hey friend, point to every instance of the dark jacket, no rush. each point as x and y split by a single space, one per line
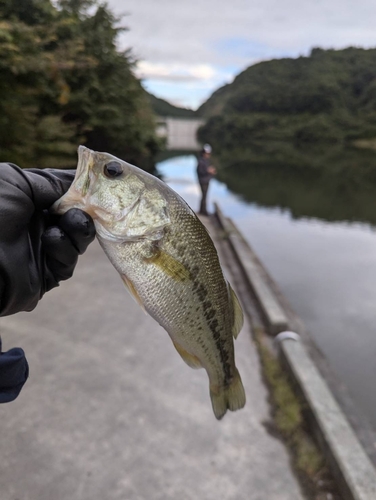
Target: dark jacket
37 251
202 170
14 371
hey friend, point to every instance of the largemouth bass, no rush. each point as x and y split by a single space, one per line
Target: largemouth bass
167 261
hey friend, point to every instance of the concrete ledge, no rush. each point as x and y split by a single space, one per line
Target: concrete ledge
350 464
275 316
354 471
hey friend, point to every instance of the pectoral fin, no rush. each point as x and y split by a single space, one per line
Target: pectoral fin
238 313
132 290
170 265
190 359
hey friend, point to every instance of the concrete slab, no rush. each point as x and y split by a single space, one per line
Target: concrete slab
354 471
111 411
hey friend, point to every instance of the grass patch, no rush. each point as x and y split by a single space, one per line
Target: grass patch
290 425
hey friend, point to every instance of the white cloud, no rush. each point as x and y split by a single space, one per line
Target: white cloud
213 39
184 72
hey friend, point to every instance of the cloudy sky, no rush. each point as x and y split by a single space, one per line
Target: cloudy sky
188 48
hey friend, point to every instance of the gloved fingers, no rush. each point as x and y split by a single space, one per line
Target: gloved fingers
79 226
58 246
57 272
47 185
63 243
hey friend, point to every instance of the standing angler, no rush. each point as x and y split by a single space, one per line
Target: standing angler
205 172
168 263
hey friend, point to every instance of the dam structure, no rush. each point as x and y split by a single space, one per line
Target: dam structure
180 133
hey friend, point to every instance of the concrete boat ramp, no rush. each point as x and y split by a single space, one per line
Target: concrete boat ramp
111 412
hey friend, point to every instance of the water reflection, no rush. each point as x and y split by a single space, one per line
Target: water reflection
334 185
327 270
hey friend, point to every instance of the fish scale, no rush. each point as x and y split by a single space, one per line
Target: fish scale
167 261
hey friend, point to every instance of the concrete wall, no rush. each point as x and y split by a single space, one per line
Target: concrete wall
180 132
350 465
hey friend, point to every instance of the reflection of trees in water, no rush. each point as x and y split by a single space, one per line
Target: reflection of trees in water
169 154
333 185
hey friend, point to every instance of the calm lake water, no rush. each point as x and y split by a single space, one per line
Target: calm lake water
327 270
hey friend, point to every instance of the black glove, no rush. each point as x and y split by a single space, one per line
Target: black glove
37 249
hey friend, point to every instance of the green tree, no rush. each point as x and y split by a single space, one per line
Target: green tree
64 82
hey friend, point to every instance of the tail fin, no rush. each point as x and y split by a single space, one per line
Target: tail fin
231 397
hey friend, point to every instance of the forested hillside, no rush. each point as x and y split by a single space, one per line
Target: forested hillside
324 99
64 83
164 108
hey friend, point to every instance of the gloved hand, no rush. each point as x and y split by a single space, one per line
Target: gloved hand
37 249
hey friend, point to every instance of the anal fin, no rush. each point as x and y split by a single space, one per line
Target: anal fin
188 358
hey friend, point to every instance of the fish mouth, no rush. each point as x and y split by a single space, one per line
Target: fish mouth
85 160
76 196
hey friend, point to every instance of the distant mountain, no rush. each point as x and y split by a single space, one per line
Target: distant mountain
164 108
328 97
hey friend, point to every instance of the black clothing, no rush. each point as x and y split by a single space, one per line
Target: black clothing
204 177
14 371
37 250
202 170
204 191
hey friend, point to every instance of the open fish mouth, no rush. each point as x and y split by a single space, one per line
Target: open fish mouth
76 196
84 156
85 164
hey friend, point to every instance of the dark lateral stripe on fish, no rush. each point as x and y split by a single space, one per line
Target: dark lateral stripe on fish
209 313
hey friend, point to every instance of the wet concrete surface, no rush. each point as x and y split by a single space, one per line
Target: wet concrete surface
111 411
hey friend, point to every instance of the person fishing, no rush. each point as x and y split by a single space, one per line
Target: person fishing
37 251
205 172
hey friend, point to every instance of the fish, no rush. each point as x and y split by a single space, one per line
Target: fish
168 263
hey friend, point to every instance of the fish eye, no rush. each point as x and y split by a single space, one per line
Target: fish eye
112 169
